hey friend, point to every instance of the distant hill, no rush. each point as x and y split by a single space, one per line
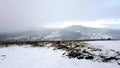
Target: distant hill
74 32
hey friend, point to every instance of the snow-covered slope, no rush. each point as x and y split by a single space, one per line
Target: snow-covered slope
44 57
20 57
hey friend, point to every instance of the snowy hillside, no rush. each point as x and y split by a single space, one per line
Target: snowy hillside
75 32
52 56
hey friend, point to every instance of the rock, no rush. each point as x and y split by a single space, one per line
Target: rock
89 57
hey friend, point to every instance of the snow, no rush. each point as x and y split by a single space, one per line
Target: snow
106 44
98 36
108 47
43 57
53 35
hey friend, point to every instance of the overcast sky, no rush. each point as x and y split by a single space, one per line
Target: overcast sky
28 14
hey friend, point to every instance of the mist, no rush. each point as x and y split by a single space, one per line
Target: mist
20 15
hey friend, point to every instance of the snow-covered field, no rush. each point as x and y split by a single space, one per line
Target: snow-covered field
44 57
107 44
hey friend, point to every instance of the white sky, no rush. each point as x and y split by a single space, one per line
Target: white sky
28 14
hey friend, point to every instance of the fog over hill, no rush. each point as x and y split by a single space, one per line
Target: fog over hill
74 32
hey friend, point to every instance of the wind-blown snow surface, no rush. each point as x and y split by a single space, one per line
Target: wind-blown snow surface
43 57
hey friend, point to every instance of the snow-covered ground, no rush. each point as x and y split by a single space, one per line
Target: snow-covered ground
43 57
106 44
